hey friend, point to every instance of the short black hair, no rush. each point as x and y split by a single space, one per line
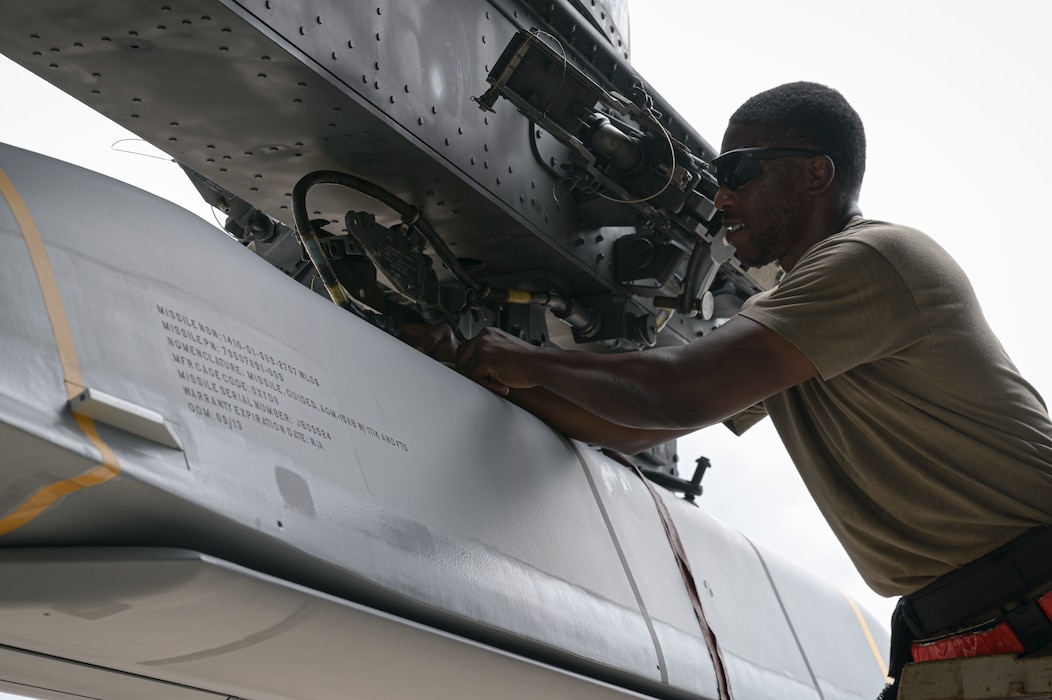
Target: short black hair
811 115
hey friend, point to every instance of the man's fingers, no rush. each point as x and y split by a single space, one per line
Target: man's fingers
495 386
492 359
466 355
470 364
435 341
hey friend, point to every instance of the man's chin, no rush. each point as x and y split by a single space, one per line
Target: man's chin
746 253
754 260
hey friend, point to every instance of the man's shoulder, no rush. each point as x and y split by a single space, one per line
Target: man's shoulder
880 235
869 263
903 247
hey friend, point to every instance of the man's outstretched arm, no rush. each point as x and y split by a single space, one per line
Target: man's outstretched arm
677 389
575 422
568 418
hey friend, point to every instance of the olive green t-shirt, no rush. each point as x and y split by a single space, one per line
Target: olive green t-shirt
921 443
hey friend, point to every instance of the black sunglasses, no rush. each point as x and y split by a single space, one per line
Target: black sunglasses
736 168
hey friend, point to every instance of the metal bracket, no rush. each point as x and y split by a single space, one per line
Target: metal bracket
125 415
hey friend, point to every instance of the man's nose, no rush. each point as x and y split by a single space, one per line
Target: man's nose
724 197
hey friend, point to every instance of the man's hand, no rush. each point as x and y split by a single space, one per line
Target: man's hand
496 360
435 341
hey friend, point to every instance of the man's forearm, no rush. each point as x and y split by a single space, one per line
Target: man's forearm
628 391
575 422
680 388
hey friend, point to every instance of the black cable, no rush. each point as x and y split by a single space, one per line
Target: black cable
578 316
410 217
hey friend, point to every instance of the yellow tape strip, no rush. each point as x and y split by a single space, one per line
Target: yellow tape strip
48 285
869 635
46 496
519 296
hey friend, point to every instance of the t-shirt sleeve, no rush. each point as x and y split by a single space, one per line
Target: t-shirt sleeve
741 422
842 305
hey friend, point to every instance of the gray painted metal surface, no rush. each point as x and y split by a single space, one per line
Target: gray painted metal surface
323 453
269 639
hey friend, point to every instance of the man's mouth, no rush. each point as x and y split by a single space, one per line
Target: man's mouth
731 230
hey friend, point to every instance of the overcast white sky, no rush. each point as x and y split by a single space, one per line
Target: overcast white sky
957 105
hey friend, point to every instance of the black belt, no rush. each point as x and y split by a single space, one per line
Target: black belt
1001 583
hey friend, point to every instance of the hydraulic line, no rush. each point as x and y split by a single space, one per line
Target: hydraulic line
584 320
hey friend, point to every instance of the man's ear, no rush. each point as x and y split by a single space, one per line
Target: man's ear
821 172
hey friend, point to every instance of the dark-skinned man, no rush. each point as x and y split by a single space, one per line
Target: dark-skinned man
927 452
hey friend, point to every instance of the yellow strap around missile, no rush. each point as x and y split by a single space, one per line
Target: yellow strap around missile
46 496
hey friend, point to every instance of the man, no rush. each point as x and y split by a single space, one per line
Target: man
915 434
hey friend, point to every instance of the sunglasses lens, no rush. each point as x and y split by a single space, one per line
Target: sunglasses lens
736 169
739 167
747 168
